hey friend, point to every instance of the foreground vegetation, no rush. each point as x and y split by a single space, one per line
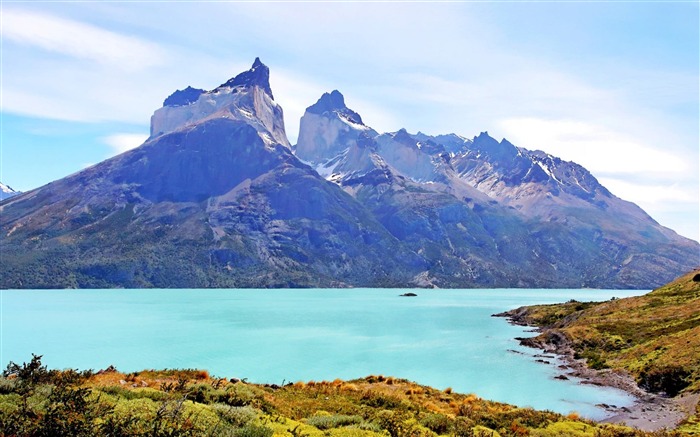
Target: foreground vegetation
655 337
35 401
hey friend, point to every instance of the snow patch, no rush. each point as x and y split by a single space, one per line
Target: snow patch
351 123
326 168
547 170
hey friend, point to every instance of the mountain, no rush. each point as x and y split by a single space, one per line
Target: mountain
6 191
499 212
214 198
217 197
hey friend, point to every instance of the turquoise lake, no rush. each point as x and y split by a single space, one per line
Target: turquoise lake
442 338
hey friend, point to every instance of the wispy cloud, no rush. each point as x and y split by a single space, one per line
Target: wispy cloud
651 195
121 143
79 40
596 147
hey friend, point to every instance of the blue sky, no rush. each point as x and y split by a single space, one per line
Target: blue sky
610 85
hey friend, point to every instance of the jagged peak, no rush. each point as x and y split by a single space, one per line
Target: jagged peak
183 97
483 136
506 142
334 102
328 102
403 136
258 75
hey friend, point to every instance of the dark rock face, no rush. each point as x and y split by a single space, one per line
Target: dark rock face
183 97
334 102
192 165
258 75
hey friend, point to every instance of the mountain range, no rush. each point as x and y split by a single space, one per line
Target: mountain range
218 197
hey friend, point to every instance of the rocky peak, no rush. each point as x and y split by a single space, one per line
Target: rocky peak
334 102
183 97
246 98
403 136
484 143
258 75
329 128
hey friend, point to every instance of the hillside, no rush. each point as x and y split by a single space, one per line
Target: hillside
35 401
655 338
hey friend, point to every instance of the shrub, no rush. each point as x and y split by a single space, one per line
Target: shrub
236 416
252 430
324 422
670 380
378 400
238 395
202 393
438 423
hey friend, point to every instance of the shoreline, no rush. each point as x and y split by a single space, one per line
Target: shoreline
649 412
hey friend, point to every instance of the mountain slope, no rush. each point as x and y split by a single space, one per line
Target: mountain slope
463 236
489 211
213 201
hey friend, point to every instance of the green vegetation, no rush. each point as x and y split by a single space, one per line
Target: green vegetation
35 401
655 337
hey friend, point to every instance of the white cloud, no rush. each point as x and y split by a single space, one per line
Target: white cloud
671 204
121 143
599 149
654 196
79 40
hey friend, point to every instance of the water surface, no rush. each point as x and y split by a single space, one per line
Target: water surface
442 338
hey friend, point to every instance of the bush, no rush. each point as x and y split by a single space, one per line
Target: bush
670 380
376 400
324 422
252 430
438 423
236 416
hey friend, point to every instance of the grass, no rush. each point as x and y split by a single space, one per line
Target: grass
655 337
35 401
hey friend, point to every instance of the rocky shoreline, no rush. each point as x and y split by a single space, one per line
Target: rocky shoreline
650 411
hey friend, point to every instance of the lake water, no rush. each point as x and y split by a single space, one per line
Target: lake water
442 338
